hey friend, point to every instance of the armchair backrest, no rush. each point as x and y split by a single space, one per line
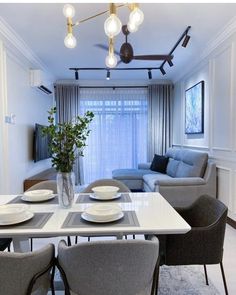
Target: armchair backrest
101 182
114 267
17 271
47 184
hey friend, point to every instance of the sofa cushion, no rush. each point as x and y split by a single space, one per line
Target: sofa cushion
159 164
152 179
172 167
186 163
130 173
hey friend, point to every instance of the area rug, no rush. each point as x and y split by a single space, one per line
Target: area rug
175 280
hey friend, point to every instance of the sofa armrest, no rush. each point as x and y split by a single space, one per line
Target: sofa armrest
144 165
184 181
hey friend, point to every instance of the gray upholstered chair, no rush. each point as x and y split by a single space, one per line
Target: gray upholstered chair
47 184
104 182
203 244
115 267
27 273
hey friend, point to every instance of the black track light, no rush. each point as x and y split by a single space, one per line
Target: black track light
149 74
162 71
186 40
76 75
108 75
170 63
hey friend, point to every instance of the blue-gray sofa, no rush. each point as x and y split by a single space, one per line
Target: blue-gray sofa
189 174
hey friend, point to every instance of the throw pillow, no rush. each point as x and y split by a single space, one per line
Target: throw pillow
159 164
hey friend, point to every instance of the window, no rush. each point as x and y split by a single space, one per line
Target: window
118 137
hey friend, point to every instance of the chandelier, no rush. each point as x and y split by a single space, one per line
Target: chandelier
112 26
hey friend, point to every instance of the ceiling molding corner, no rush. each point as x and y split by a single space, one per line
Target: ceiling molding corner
14 39
228 30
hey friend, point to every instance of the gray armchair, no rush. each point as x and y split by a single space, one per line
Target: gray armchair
27 273
115 267
203 244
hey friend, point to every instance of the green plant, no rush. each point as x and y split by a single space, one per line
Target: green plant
67 140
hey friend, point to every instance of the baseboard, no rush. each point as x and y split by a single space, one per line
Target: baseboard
231 222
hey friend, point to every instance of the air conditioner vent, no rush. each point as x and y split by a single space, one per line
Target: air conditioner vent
45 89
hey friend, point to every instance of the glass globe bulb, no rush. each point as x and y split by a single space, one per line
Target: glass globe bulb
112 26
136 16
68 10
70 41
132 27
111 61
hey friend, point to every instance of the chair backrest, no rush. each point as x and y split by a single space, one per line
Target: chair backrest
114 267
47 184
104 182
17 271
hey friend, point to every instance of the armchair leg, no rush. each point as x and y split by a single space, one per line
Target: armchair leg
223 276
205 272
68 241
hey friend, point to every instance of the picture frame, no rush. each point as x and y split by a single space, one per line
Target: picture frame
194 109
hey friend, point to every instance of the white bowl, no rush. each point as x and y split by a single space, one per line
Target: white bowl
105 192
11 212
104 212
38 195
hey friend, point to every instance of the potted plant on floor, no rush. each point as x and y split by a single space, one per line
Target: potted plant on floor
67 141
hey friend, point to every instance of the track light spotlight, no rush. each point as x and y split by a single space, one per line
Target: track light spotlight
149 74
76 75
186 40
170 63
162 71
108 75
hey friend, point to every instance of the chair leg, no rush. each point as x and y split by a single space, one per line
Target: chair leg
133 237
205 272
88 239
76 239
9 248
68 241
31 244
224 279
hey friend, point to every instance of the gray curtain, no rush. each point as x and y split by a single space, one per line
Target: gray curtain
67 104
159 119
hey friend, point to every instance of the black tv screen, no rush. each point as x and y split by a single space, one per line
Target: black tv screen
41 144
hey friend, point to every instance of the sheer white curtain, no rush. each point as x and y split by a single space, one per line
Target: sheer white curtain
118 137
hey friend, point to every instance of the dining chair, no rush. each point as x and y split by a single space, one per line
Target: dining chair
27 273
114 267
203 244
47 184
106 182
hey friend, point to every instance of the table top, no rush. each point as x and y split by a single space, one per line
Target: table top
155 216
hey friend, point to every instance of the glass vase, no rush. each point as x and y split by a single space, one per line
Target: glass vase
65 189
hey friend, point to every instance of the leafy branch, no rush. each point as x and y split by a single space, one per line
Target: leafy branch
67 140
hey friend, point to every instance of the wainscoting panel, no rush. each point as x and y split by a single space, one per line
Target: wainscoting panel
222 101
224 185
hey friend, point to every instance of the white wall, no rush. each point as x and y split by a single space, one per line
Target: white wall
219 138
29 107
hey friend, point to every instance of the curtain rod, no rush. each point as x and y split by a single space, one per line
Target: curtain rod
113 87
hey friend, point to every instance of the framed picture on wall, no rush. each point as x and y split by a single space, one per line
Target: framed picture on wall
194 109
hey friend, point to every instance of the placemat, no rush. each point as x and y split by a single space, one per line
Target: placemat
74 220
17 200
37 222
85 198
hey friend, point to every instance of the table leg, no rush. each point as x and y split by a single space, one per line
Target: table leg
21 244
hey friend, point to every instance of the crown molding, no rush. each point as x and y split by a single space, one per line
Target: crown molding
19 44
227 31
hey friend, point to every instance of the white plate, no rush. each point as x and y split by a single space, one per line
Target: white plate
41 199
103 211
87 217
107 199
10 212
39 195
27 216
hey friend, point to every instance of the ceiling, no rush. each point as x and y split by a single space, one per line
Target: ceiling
43 28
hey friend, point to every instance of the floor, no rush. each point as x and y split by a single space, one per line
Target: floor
214 273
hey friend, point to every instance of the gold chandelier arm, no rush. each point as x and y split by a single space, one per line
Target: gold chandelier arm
96 15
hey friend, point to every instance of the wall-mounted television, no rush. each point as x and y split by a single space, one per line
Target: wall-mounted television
40 144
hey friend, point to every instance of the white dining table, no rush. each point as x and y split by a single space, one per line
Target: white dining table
154 214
